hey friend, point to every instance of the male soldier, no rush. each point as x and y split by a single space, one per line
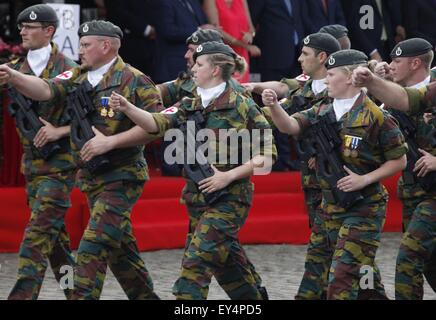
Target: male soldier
285 86
410 67
314 53
48 182
340 33
417 244
108 238
173 92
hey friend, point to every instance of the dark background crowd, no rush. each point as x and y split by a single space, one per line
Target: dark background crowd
155 30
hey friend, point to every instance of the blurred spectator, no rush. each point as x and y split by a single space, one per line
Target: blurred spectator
135 19
376 42
175 21
279 31
419 18
233 18
319 13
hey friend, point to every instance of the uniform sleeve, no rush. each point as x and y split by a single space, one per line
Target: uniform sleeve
391 139
262 138
291 83
306 118
169 92
167 119
62 83
421 100
147 95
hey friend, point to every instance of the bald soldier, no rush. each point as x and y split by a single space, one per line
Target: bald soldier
114 183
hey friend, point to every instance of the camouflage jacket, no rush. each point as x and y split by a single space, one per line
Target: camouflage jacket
376 138
126 163
53 112
231 111
308 176
421 101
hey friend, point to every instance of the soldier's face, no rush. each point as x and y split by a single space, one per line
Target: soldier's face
309 61
91 52
34 35
203 72
338 83
188 55
401 70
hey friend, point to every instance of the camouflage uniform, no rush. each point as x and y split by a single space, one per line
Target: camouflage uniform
171 93
108 238
311 189
417 250
48 185
212 246
346 240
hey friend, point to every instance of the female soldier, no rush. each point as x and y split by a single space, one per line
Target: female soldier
214 225
372 148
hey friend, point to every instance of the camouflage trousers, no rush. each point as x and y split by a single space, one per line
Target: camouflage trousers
312 197
108 240
417 253
213 249
45 237
340 245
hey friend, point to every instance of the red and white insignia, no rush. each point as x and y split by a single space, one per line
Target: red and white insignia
65 75
170 110
302 77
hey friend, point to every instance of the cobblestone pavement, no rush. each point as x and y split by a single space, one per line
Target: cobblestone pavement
281 267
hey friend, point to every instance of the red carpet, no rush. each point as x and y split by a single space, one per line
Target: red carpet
278 214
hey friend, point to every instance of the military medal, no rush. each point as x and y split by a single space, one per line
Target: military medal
111 113
354 153
347 144
104 105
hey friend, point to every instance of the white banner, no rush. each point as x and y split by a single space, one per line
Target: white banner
66 36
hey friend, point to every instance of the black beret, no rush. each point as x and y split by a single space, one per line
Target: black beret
100 28
204 35
38 13
212 47
336 30
322 41
347 57
411 48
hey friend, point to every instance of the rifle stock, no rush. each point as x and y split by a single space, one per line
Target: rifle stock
28 122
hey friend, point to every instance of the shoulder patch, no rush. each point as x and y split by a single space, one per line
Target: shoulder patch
170 110
65 75
302 77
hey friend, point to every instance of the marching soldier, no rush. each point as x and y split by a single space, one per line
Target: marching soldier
210 250
345 239
417 244
111 193
48 181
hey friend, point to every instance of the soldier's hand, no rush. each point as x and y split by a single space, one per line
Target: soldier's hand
248 86
96 146
216 182
5 74
428 117
352 182
361 76
425 164
382 70
269 97
118 102
46 134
